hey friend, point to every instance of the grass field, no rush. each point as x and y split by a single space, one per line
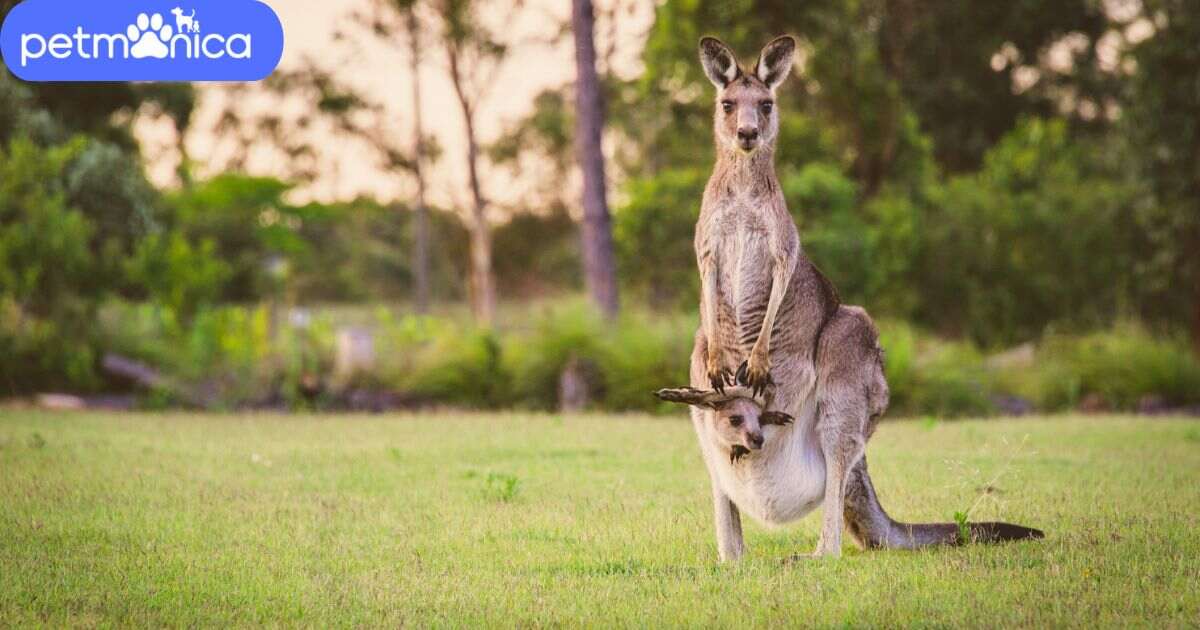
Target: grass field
536 520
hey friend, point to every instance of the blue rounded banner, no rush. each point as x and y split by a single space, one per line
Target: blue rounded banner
141 40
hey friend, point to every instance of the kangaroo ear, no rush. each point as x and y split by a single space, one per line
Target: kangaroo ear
687 396
700 397
706 397
775 61
719 63
775 417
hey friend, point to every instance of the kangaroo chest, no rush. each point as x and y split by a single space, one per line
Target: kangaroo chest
743 257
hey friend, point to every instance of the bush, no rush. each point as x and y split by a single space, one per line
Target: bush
1123 366
47 292
1009 250
653 236
229 356
927 375
537 357
234 356
645 354
625 361
176 273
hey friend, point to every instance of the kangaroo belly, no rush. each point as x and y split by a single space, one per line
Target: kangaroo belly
783 482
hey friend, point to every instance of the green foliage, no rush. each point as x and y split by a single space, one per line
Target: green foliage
1003 253
47 295
819 190
44 254
230 356
623 361
1124 366
44 353
643 353
244 356
653 234
537 358
253 228
316 252
1164 140
463 368
927 375
524 270
964 529
176 274
361 249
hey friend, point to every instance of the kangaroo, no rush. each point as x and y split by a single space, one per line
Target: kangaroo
787 430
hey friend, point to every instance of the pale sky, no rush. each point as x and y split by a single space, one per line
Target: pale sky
382 71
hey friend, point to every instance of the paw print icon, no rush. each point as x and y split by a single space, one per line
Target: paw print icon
149 36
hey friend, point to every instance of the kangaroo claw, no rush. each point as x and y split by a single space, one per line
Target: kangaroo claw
719 379
757 380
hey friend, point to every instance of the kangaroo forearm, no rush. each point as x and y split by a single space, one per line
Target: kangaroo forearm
779 284
708 290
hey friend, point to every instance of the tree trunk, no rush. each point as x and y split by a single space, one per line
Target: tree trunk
420 253
599 264
1196 319
483 286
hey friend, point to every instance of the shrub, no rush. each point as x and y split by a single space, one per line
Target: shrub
645 354
628 359
463 368
176 273
932 376
653 234
1122 365
1009 250
537 357
47 292
227 356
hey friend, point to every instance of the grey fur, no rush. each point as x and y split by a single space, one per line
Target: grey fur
787 383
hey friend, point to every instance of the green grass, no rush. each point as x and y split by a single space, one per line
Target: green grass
520 520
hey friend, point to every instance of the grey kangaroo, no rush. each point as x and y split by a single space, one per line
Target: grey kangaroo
787 384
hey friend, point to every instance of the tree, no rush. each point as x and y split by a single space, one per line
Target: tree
290 136
598 261
1161 121
475 54
420 261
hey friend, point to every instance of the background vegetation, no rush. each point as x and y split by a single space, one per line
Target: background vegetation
1012 189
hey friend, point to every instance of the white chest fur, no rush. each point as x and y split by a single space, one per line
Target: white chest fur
779 484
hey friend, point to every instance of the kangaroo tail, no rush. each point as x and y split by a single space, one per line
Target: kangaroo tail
875 529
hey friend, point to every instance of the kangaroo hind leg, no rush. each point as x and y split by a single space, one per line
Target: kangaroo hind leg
840 431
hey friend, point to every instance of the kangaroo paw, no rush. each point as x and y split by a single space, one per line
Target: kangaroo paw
719 378
755 375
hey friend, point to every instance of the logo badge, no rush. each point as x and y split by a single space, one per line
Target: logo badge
141 40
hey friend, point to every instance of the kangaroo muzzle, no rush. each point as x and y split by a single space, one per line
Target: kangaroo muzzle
747 138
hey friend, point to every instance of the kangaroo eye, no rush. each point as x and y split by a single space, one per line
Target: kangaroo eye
735 421
766 107
727 106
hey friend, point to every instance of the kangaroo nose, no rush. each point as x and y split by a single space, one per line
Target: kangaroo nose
747 134
756 440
